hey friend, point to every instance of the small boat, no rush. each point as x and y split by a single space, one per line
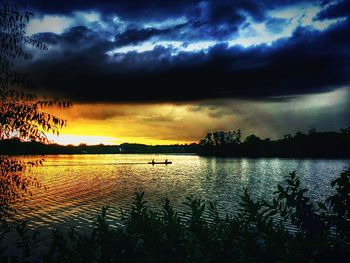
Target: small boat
166 163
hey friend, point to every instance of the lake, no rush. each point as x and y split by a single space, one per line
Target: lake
77 186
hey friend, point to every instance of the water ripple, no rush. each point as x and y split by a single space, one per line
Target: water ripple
79 185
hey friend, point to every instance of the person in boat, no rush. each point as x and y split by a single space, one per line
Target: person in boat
153 162
166 160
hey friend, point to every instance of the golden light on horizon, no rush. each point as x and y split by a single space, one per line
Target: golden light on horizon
111 124
185 123
68 139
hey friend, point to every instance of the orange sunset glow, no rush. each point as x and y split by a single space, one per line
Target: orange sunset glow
185 123
115 124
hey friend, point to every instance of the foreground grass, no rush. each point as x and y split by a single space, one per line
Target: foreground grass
257 233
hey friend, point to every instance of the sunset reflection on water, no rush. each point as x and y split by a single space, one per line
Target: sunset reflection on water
77 186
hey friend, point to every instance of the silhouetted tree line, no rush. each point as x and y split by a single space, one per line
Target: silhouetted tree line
316 144
141 148
16 147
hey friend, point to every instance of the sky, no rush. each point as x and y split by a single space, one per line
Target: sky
160 72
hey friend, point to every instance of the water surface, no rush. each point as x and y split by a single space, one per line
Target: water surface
77 186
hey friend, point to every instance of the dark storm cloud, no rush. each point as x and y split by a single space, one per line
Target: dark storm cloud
302 64
219 13
78 65
47 38
135 7
216 9
135 36
74 35
340 9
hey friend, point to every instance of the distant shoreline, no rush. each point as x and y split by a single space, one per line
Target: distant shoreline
16 147
314 145
189 154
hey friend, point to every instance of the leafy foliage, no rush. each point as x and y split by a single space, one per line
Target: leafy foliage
14 186
221 138
292 204
22 114
339 204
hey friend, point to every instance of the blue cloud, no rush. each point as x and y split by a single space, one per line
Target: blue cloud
204 49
